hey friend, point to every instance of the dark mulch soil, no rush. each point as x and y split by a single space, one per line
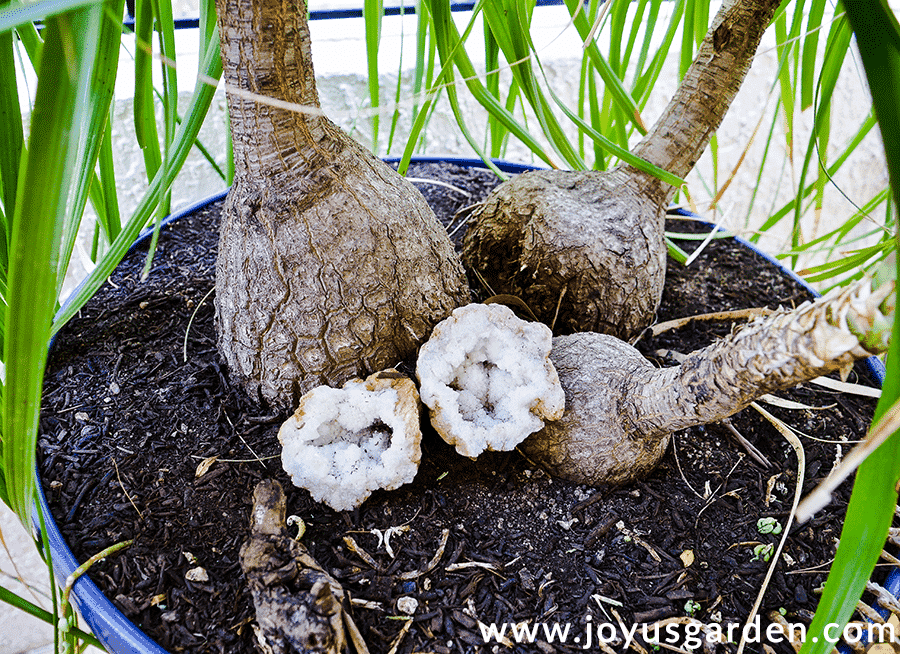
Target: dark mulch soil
128 417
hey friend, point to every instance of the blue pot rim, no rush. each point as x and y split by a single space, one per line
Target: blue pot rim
113 629
874 364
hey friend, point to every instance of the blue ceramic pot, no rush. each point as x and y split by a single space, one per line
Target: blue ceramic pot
121 636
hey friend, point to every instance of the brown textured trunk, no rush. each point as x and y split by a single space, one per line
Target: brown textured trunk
585 250
620 410
299 606
330 264
682 133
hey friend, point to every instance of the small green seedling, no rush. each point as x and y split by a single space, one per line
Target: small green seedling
768 526
763 552
691 607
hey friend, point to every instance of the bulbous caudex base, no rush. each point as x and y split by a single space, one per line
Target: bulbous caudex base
330 265
584 250
321 284
620 410
596 441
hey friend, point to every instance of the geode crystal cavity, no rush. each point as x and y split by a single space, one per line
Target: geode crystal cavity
487 379
342 444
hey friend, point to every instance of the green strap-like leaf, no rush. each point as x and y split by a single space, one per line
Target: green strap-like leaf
210 69
373 12
643 85
687 39
207 23
613 83
17 14
424 46
32 42
23 604
496 133
144 108
165 28
786 83
649 32
777 216
810 50
636 24
11 135
103 81
851 261
164 25
839 38
60 110
874 498
612 148
510 22
112 223
449 44
840 233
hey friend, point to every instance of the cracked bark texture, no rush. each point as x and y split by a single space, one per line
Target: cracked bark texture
620 410
585 250
330 265
299 606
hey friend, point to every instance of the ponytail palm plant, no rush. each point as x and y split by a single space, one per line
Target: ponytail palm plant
293 166
513 244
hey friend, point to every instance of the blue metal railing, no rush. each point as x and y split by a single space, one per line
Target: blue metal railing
351 12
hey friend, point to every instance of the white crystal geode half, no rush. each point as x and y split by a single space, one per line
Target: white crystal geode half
487 379
342 444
